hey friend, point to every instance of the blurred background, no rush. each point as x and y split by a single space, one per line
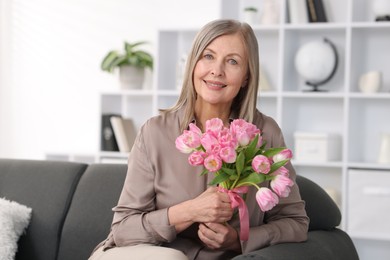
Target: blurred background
50 55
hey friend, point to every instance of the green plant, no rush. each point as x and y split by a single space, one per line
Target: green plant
131 56
250 9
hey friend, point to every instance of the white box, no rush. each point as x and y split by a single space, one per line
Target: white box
317 147
368 203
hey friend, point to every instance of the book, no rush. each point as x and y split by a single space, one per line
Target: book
320 10
297 11
108 140
124 132
316 11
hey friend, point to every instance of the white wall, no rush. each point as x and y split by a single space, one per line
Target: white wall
50 54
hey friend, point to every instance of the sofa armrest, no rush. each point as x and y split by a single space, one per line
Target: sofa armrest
321 245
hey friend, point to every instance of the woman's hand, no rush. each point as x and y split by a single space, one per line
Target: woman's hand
210 206
219 236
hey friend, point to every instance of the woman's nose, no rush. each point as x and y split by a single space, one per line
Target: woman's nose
217 69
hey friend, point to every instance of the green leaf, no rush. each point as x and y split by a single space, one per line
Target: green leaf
205 171
251 150
233 177
131 56
248 169
219 178
108 61
277 165
240 162
253 178
228 171
273 151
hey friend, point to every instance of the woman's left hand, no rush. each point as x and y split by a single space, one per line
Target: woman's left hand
219 236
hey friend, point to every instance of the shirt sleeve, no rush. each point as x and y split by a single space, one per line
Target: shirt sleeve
136 219
287 221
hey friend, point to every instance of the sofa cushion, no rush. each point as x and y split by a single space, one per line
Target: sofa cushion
90 215
321 245
47 188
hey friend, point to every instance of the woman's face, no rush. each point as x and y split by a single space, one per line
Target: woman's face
221 70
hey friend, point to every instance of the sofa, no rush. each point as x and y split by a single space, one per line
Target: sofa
71 212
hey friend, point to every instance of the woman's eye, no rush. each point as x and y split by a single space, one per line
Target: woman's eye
233 62
208 56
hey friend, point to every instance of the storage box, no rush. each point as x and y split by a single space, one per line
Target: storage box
368 200
317 147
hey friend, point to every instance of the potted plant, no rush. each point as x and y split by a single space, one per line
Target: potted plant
250 15
131 63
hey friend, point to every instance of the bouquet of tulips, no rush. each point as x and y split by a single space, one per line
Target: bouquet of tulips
238 158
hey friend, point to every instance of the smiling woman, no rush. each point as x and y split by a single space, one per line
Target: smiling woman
197 221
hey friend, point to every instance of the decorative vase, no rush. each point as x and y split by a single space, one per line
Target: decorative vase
384 151
381 10
180 70
370 82
270 13
250 15
131 77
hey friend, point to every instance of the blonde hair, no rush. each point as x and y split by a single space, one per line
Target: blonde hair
244 104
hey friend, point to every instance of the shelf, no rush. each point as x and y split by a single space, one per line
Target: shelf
381 237
380 95
168 93
112 157
329 164
368 166
370 25
132 92
311 94
315 26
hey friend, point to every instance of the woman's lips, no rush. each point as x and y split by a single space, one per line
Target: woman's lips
215 84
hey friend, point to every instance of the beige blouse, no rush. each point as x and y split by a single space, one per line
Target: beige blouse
160 176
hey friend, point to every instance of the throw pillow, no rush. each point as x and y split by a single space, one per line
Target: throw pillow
14 219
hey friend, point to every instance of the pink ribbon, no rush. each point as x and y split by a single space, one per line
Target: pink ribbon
237 201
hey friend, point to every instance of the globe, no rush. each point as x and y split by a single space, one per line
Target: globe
316 62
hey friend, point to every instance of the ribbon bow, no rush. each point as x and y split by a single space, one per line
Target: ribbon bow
237 201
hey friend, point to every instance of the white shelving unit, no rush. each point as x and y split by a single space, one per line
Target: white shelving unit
358 118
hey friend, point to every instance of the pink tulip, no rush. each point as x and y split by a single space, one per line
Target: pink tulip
197 158
195 129
228 154
213 163
214 125
286 154
261 164
188 141
281 185
259 141
244 131
181 144
281 171
209 142
226 138
266 199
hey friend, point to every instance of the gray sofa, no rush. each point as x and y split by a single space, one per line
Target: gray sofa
72 204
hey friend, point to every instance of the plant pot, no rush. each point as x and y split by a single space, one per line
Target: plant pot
131 77
250 16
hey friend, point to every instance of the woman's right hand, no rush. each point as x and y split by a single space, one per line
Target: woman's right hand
210 206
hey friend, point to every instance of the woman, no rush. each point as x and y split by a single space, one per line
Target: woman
166 209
